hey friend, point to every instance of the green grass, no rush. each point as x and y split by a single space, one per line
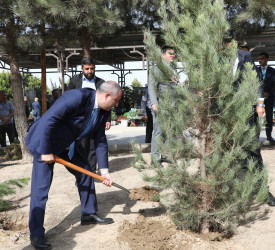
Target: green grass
9 187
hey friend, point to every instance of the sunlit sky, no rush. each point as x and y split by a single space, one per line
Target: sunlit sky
141 75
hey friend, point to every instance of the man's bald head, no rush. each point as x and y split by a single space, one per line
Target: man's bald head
109 94
111 87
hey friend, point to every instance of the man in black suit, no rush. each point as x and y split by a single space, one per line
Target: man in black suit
267 76
243 57
87 79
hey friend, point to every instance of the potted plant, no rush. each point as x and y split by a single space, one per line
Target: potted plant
132 115
124 121
113 118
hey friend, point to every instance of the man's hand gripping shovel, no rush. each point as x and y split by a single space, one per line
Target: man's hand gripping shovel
89 173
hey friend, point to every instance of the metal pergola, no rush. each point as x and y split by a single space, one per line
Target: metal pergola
117 50
263 42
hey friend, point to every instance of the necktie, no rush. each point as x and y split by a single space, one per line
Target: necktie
263 72
84 133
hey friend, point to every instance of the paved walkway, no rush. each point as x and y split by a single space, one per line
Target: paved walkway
263 134
123 135
119 138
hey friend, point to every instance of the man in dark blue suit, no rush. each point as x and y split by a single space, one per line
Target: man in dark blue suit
76 114
36 109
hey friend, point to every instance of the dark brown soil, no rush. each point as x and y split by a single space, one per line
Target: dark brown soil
148 234
138 224
145 193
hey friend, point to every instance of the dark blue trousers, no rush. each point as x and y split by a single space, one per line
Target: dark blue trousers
42 175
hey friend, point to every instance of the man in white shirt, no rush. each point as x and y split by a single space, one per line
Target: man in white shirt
88 79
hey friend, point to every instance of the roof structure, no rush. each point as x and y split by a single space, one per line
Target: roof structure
264 41
118 49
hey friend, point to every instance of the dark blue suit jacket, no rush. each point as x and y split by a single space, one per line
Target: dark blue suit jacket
36 108
65 121
245 57
269 81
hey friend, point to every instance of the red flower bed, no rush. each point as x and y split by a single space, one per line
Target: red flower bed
118 120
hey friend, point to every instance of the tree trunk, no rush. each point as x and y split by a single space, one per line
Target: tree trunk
86 42
17 91
205 225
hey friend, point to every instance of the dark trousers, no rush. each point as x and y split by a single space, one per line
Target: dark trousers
256 155
15 131
88 145
269 116
9 129
149 126
42 175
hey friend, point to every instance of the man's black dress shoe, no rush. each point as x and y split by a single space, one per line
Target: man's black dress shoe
165 159
95 219
270 139
271 200
158 164
40 242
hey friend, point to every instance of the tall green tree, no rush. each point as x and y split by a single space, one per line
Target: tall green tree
248 17
212 182
259 12
15 38
5 83
32 82
82 19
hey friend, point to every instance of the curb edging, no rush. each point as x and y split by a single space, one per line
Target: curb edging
127 148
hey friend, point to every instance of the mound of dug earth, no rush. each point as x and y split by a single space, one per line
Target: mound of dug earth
148 233
145 193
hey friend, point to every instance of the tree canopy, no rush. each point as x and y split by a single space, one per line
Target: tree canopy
136 83
246 17
32 82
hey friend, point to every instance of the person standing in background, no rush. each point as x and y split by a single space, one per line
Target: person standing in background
243 57
27 108
267 76
36 109
168 55
6 119
147 115
88 79
54 97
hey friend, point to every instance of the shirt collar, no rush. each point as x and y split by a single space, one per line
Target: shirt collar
85 79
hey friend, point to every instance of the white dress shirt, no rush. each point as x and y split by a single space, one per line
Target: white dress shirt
88 84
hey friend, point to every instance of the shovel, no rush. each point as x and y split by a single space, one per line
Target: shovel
89 173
